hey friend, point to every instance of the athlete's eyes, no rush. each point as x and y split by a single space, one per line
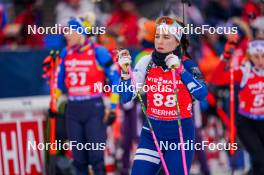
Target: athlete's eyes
157 36
166 36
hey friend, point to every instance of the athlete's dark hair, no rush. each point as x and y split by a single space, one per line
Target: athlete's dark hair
184 44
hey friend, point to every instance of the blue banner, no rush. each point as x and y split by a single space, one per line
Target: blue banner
20 73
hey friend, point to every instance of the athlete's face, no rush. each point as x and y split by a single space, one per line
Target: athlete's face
165 42
258 60
73 38
260 35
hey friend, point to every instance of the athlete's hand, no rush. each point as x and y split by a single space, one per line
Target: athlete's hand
173 62
53 114
230 45
46 67
46 64
124 60
110 117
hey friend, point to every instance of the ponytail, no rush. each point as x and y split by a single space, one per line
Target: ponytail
184 44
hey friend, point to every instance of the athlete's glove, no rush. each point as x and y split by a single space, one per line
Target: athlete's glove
110 117
173 62
231 44
46 67
124 60
53 114
46 64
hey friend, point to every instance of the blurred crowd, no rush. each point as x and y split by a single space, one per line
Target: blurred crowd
131 24
120 17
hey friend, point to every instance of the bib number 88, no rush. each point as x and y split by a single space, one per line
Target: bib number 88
168 102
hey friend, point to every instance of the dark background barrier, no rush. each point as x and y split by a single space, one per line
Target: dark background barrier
20 73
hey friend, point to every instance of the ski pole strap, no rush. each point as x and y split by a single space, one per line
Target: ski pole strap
142 103
149 66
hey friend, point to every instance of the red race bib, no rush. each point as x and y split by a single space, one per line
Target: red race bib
161 98
83 76
251 97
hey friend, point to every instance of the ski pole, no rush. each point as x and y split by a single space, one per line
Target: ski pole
53 102
232 105
179 122
149 123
